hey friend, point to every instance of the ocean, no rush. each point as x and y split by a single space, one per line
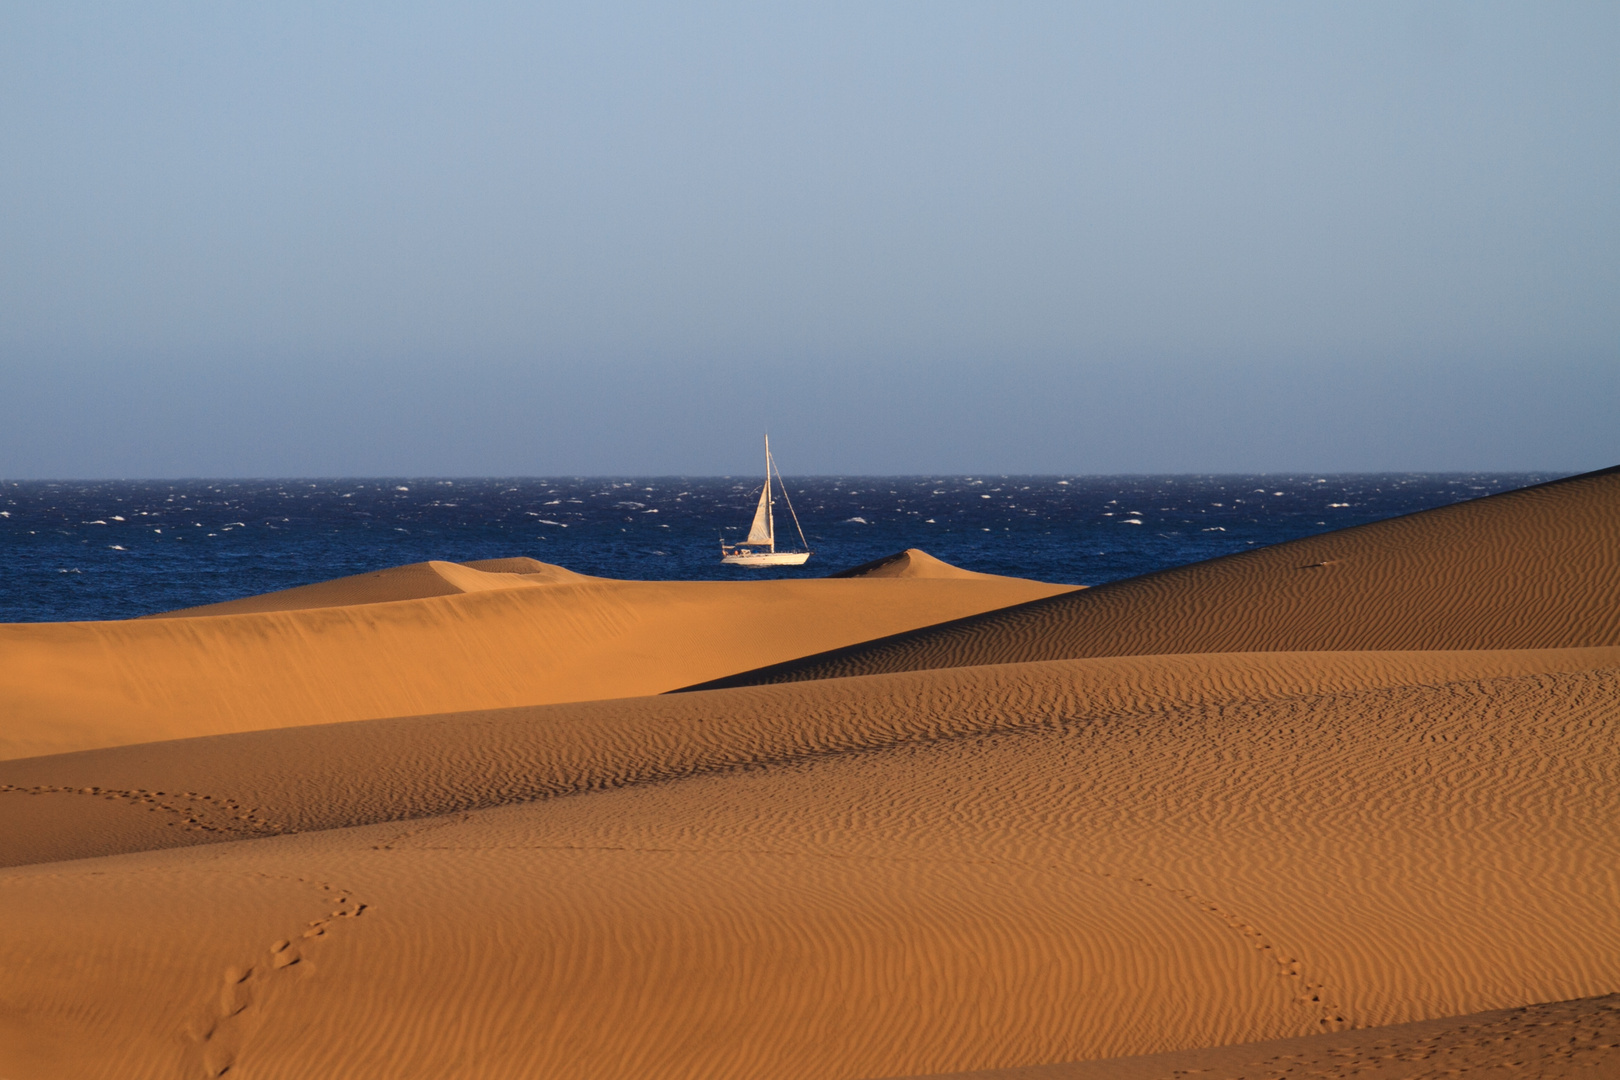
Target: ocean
118 549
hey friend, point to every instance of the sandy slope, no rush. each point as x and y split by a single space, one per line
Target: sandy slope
910 563
1536 568
418 581
436 637
1563 1040
919 872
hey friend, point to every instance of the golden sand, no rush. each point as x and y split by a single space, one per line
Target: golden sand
1302 849
437 637
1537 568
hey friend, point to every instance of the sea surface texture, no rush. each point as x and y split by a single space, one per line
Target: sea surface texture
78 550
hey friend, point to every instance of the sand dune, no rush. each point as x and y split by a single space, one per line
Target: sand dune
910 563
244 785
418 581
1564 1040
1537 568
892 875
1258 862
435 637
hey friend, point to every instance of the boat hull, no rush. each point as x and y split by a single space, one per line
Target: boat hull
766 558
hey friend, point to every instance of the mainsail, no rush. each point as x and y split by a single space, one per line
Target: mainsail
762 531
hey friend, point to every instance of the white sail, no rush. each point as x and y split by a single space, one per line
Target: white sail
760 531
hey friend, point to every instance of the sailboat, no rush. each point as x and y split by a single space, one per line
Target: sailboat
760 547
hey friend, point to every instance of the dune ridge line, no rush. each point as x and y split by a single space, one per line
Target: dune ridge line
1535 568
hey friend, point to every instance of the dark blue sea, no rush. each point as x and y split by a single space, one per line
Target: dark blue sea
114 550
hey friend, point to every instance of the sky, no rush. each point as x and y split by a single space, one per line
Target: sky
397 239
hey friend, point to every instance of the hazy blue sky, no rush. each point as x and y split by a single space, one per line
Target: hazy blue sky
283 239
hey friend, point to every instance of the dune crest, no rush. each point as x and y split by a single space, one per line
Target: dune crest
301 779
435 637
910 563
416 581
549 573
1537 568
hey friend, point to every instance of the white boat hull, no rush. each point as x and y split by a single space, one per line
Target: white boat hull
766 558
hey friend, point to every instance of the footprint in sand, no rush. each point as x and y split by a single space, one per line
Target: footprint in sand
234 998
283 955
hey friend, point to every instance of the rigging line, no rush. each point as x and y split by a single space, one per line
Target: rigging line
802 541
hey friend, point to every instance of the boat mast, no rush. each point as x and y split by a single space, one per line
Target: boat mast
770 509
